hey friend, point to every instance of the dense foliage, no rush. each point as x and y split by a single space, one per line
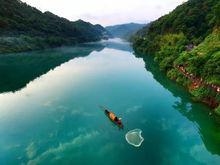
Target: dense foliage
23 27
189 37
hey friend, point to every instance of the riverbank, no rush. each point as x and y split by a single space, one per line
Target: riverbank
190 40
192 84
24 43
198 82
196 69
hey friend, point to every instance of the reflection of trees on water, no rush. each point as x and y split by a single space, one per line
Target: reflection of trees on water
16 70
119 45
208 125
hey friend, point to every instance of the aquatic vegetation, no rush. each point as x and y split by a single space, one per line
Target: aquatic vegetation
134 137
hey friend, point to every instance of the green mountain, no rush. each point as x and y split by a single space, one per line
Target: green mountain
23 27
124 31
186 45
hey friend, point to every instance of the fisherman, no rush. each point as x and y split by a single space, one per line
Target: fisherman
114 118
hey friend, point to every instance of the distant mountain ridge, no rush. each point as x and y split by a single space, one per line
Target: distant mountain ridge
23 27
124 31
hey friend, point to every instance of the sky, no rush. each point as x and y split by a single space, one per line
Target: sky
107 12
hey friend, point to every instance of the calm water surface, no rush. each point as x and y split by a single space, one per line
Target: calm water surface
49 110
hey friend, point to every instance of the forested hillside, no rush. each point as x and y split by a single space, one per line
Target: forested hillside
186 45
124 31
23 27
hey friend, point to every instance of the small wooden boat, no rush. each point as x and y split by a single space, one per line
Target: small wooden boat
113 117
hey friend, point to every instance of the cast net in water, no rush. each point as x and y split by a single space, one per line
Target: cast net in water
134 137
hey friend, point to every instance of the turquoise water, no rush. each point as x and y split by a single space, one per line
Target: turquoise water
49 110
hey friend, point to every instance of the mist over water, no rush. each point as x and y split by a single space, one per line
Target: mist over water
49 110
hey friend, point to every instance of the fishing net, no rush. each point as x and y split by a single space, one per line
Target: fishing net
134 137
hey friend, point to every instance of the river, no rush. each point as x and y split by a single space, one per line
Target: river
49 110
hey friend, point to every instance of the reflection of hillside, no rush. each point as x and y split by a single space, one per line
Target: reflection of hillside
118 44
206 124
16 70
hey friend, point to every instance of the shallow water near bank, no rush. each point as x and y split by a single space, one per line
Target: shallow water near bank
49 110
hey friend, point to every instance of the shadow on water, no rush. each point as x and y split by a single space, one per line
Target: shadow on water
208 125
18 69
